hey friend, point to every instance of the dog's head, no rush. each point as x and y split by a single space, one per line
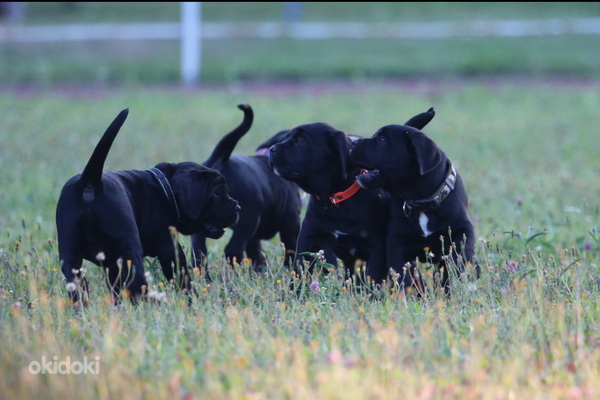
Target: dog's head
314 156
395 156
263 148
203 196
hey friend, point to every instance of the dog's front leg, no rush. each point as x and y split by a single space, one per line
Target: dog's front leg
199 250
173 263
376 265
314 247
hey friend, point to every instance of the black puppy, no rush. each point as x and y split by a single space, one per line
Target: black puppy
429 202
342 220
269 204
114 219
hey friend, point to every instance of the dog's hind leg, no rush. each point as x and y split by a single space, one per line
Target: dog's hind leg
127 273
288 235
234 250
71 269
254 252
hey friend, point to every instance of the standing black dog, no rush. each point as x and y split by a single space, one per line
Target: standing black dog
429 202
114 219
270 204
342 220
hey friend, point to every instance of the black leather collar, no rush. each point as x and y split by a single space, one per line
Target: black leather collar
164 183
432 203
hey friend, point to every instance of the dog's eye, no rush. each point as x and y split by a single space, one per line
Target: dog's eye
381 138
298 139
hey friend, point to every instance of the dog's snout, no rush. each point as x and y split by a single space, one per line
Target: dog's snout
238 208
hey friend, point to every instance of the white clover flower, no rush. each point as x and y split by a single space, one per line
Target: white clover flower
100 256
71 287
148 276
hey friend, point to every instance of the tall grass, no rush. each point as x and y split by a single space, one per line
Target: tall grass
527 328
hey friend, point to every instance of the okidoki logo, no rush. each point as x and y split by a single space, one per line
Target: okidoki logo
65 367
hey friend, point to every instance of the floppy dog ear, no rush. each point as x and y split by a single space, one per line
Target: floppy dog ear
428 154
342 144
191 189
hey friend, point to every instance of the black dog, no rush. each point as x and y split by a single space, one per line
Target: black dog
341 220
429 202
114 219
270 204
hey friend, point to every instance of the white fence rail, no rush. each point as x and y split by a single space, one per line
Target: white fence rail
191 31
300 30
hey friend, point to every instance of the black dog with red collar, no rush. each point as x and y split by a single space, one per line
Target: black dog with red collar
354 228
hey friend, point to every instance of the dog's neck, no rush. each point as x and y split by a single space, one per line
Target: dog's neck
166 187
433 192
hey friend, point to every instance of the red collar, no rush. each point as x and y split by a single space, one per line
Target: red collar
346 194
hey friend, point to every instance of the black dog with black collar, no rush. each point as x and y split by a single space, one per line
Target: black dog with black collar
429 216
116 218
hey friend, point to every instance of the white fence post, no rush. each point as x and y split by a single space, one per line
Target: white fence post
191 42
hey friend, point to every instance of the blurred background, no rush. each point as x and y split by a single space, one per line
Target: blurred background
123 43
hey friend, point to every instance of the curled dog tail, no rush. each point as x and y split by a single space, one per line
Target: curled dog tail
225 147
92 173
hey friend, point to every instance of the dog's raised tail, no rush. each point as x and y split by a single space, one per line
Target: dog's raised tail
92 173
227 144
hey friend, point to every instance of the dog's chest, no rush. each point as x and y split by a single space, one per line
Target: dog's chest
423 224
342 221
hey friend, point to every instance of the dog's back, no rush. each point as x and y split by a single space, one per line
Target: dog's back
269 204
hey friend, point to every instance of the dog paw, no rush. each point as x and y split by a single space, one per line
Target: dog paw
370 180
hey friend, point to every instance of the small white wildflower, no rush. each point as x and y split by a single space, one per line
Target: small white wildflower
148 276
100 256
71 287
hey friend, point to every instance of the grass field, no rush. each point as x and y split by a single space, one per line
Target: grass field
518 118
528 327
